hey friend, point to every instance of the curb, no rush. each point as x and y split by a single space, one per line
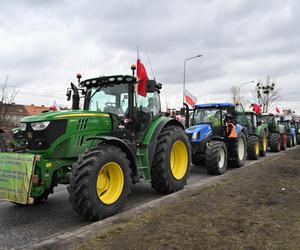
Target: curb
80 235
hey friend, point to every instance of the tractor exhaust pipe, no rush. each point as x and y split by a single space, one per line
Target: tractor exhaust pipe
75 97
187 115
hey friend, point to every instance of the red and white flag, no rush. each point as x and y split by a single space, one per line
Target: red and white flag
190 99
54 107
256 108
278 110
142 76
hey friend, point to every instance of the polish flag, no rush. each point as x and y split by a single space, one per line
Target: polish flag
256 108
277 110
190 98
54 107
142 75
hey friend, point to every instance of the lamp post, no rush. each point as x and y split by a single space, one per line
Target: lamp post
184 62
241 85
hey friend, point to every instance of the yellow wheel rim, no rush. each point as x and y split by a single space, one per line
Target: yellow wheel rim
179 160
257 148
265 143
110 183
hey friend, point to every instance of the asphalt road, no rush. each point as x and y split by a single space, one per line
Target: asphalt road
22 225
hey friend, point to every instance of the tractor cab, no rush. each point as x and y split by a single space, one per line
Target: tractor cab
116 95
208 120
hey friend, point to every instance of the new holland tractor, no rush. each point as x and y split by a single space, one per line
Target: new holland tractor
111 140
210 138
277 138
257 133
291 135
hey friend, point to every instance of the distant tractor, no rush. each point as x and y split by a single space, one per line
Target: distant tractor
291 139
215 142
116 139
257 133
277 138
2 141
297 126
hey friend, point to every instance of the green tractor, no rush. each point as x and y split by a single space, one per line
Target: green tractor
117 138
258 144
277 138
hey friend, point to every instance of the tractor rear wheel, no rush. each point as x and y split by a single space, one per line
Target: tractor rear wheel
283 140
238 151
171 164
216 157
289 141
275 142
263 139
253 147
100 182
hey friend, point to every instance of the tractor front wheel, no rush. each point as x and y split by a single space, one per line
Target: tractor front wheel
171 164
216 157
100 182
289 141
298 139
253 147
238 151
263 139
283 140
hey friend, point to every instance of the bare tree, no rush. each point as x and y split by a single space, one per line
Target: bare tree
235 91
7 97
267 94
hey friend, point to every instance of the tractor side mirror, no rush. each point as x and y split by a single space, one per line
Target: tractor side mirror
150 86
69 93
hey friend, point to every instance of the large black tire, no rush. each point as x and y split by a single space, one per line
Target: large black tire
238 157
289 141
100 182
263 142
253 147
294 140
198 162
171 164
216 157
283 141
275 142
298 139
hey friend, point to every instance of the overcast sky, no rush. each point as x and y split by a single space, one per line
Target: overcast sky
44 44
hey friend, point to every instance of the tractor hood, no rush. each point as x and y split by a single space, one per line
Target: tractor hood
66 114
199 132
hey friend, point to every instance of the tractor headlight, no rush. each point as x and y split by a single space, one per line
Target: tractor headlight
23 126
36 126
196 135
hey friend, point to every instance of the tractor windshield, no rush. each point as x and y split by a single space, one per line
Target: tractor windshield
111 99
212 116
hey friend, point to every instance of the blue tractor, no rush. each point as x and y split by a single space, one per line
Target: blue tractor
211 137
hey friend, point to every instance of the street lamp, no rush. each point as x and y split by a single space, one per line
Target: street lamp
185 60
239 88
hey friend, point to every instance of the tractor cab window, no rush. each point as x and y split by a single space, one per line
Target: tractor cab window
149 104
111 99
212 116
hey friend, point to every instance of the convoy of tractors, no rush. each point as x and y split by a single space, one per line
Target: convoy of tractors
113 138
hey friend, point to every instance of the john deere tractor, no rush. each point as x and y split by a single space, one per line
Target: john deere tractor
277 138
209 137
257 133
111 140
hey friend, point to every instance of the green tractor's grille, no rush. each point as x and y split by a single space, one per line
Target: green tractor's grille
41 140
